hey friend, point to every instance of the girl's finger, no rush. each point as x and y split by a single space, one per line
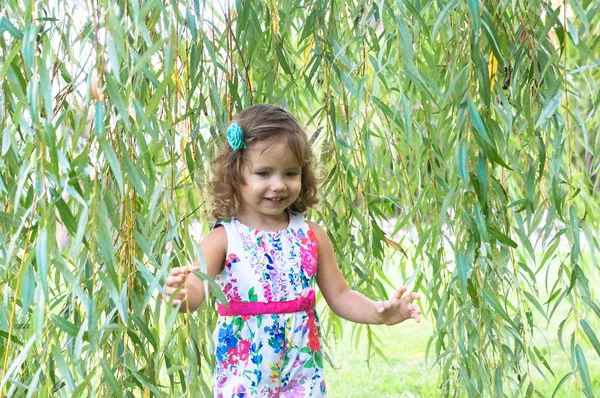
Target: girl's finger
172 280
177 271
414 308
384 305
170 290
398 294
412 296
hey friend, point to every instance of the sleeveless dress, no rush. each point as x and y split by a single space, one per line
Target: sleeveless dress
268 355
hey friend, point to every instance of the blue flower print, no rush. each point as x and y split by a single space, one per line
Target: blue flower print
277 340
254 350
258 375
276 242
227 340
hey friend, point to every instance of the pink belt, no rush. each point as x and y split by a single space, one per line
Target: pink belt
302 303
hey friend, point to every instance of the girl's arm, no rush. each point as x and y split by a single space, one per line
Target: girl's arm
192 294
351 305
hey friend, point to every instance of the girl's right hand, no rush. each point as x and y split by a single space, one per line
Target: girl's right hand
175 286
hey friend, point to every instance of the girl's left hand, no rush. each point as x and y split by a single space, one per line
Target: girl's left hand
398 309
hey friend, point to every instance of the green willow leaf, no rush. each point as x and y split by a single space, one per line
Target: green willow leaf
462 267
535 303
574 223
462 161
157 97
110 379
501 237
392 115
64 325
63 368
145 330
17 361
117 99
5 336
589 332
583 371
143 60
474 12
113 161
46 89
66 215
560 384
216 289
443 16
7 26
483 138
549 109
41 256
79 391
136 177
9 220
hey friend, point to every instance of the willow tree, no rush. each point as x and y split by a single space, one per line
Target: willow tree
470 126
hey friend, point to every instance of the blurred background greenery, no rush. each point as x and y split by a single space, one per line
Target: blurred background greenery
459 138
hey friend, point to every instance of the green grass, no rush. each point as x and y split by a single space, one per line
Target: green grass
407 373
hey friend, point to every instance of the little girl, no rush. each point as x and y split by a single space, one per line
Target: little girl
266 257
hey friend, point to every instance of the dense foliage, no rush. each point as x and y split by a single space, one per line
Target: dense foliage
467 130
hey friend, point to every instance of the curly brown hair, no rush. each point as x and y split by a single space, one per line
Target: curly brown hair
261 123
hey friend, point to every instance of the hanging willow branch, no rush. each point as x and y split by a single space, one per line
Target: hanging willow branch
463 135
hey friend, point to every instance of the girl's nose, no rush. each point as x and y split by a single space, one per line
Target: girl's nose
277 184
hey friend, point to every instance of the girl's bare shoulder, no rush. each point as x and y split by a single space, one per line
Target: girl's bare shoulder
216 239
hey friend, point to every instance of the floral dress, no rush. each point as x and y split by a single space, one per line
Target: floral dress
268 355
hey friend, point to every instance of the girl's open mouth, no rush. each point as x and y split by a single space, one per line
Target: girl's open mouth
275 200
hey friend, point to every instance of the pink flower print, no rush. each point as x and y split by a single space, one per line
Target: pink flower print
221 381
235 296
309 261
298 362
227 288
244 350
231 292
267 291
232 356
273 393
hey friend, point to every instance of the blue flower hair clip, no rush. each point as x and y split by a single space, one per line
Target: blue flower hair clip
235 136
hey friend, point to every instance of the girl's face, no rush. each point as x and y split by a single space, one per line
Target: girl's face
272 182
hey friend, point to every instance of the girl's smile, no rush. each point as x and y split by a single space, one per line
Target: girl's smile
272 182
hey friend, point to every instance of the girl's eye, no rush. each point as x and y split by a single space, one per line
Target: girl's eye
262 174
292 174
